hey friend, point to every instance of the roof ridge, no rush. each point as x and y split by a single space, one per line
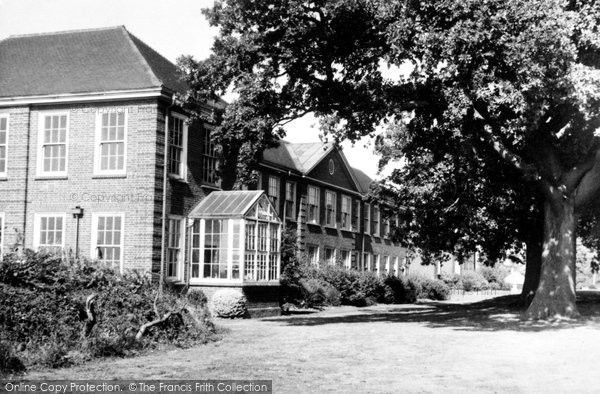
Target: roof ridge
136 50
51 33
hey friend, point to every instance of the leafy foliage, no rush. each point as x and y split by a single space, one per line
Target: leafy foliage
229 303
42 311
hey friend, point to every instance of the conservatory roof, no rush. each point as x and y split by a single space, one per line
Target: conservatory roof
230 203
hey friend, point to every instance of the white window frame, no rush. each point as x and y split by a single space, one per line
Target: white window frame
387 225
183 167
396 266
366 261
94 234
4 174
274 182
348 203
40 148
386 264
367 218
180 261
317 204
98 142
334 208
333 256
376 219
291 215
377 263
37 228
209 156
316 260
2 231
348 260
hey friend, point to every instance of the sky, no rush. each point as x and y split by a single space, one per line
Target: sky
173 28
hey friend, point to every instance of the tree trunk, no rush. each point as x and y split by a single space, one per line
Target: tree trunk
533 263
555 296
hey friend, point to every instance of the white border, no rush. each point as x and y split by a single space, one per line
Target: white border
94 235
36 228
183 170
4 174
40 161
182 248
97 141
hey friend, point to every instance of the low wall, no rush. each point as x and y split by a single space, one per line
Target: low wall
262 300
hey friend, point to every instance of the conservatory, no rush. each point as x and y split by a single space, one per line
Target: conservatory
235 238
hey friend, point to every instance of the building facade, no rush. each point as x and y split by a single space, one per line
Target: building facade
98 158
324 199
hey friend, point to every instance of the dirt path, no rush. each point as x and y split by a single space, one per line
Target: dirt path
410 348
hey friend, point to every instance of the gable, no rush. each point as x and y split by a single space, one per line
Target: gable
341 175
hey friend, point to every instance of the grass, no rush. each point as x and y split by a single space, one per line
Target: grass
425 347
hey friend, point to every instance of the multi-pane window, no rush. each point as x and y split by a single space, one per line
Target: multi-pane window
3 145
312 252
355 215
386 228
111 143
345 258
53 145
195 257
209 159
290 200
216 240
366 262
174 248
376 222
346 212
329 208
177 146
396 266
367 219
50 230
312 205
108 238
330 256
376 266
386 265
273 191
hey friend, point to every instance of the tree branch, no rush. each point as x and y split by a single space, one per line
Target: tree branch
589 186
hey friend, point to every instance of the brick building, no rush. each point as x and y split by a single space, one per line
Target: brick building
85 166
320 195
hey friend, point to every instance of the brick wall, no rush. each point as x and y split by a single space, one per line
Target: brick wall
133 194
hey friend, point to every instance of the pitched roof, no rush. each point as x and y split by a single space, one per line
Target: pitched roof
82 61
300 157
228 203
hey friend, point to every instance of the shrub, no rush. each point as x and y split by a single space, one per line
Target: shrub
229 303
495 274
473 281
399 291
451 280
317 293
9 363
434 289
42 306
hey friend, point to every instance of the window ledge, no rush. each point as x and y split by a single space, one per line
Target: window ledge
50 177
210 185
3 178
178 178
108 176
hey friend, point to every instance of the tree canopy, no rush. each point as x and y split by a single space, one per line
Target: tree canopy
503 97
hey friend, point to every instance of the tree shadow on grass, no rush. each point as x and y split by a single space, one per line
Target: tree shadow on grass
501 313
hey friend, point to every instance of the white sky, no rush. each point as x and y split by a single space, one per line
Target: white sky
172 28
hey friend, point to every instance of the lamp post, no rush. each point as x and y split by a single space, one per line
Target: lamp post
77 214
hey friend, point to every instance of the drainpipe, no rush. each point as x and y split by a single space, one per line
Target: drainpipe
163 221
26 191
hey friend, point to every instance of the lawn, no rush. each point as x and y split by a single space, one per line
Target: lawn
427 347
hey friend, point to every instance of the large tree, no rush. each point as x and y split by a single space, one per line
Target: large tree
518 76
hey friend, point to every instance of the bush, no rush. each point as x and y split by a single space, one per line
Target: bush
473 281
317 293
399 291
42 310
495 276
451 280
229 303
9 363
434 289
